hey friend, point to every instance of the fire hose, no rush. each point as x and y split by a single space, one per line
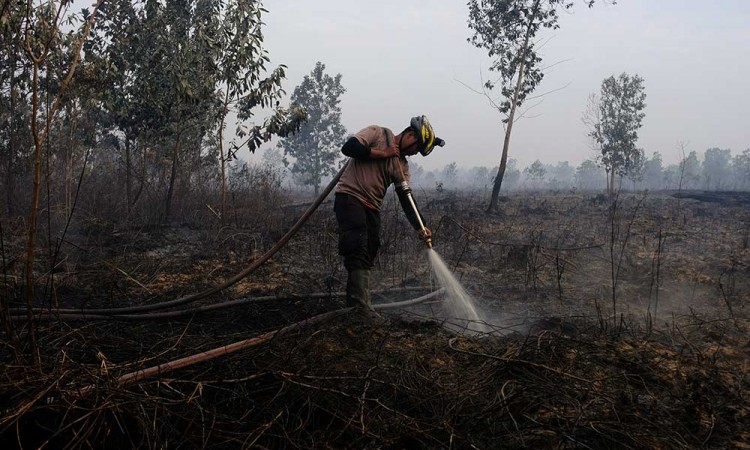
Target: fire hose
127 313
160 369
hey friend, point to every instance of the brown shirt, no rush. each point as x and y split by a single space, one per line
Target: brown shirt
368 179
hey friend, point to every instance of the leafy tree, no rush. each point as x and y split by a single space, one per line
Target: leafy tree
120 51
450 174
159 60
512 175
615 129
589 176
690 171
506 29
653 172
741 170
184 67
417 173
316 146
716 167
561 174
535 172
480 177
671 175
178 69
427 177
242 64
273 159
635 173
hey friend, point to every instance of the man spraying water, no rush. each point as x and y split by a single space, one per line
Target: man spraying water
378 159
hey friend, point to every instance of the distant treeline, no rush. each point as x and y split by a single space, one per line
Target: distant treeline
717 170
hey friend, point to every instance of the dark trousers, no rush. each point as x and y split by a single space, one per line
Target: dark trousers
359 232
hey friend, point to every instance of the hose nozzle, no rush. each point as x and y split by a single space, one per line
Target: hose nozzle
427 240
404 186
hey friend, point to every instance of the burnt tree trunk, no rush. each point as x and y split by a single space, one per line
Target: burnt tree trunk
512 114
172 177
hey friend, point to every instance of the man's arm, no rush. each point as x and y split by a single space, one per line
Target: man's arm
412 213
353 148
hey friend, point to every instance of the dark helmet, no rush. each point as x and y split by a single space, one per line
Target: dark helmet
425 134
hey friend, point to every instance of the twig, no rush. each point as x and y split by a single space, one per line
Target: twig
520 361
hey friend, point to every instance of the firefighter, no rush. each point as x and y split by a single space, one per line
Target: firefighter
378 159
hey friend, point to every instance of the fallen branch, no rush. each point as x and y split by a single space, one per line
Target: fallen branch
247 343
216 352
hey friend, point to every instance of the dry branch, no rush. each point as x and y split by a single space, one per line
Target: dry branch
214 353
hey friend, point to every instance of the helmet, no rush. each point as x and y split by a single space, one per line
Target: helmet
426 136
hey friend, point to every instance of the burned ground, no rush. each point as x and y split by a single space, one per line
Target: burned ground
660 361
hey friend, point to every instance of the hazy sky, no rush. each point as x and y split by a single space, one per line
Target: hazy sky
406 57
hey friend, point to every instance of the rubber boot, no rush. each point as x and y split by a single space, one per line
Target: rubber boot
358 289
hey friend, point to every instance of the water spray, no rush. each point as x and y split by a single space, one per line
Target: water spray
462 313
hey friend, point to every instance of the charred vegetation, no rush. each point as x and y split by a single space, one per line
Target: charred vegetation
614 324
